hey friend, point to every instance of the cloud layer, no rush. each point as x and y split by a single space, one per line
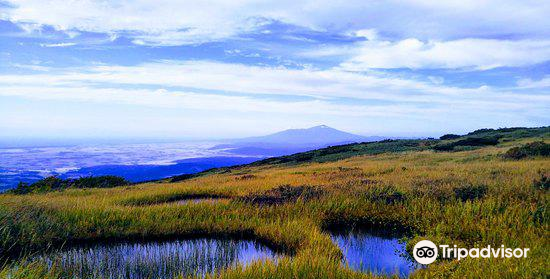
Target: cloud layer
193 85
169 22
379 65
481 54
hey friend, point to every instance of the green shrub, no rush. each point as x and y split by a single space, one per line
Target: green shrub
543 183
387 194
47 184
449 137
467 142
336 149
540 215
478 141
182 177
481 131
470 192
104 181
53 183
283 194
537 148
444 147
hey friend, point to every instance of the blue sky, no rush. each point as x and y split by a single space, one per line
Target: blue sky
219 69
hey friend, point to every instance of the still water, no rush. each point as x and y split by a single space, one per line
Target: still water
373 252
156 259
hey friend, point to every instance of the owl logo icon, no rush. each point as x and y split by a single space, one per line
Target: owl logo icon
425 252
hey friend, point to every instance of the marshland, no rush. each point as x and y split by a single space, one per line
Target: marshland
277 218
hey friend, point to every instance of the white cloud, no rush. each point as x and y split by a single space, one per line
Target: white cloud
466 34
530 83
192 91
259 88
172 22
369 34
163 98
58 45
33 67
148 22
246 79
478 54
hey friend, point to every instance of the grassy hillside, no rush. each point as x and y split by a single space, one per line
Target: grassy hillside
476 139
470 141
468 195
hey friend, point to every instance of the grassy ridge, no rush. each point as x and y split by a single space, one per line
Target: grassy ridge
54 183
470 141
472 197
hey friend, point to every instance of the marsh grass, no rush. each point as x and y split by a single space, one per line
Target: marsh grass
432 195
165 259
283 194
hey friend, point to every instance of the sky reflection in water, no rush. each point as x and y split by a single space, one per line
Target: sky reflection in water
156 259
373 253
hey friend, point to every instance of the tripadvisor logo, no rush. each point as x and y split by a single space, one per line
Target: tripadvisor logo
425 252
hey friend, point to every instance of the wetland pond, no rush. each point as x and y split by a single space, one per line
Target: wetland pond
365 251
166 259
376 252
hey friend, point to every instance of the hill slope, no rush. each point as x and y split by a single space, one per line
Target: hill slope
473 140
466 194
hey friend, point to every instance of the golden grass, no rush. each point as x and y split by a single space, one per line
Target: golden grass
414 191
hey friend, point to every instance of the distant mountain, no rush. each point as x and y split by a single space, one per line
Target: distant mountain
321 134
505 136
293 141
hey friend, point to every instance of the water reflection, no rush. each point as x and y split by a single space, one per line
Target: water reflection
368 252
156 259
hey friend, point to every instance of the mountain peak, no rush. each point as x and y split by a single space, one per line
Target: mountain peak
314 136
321 127
294 140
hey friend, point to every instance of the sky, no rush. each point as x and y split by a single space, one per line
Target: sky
223 69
